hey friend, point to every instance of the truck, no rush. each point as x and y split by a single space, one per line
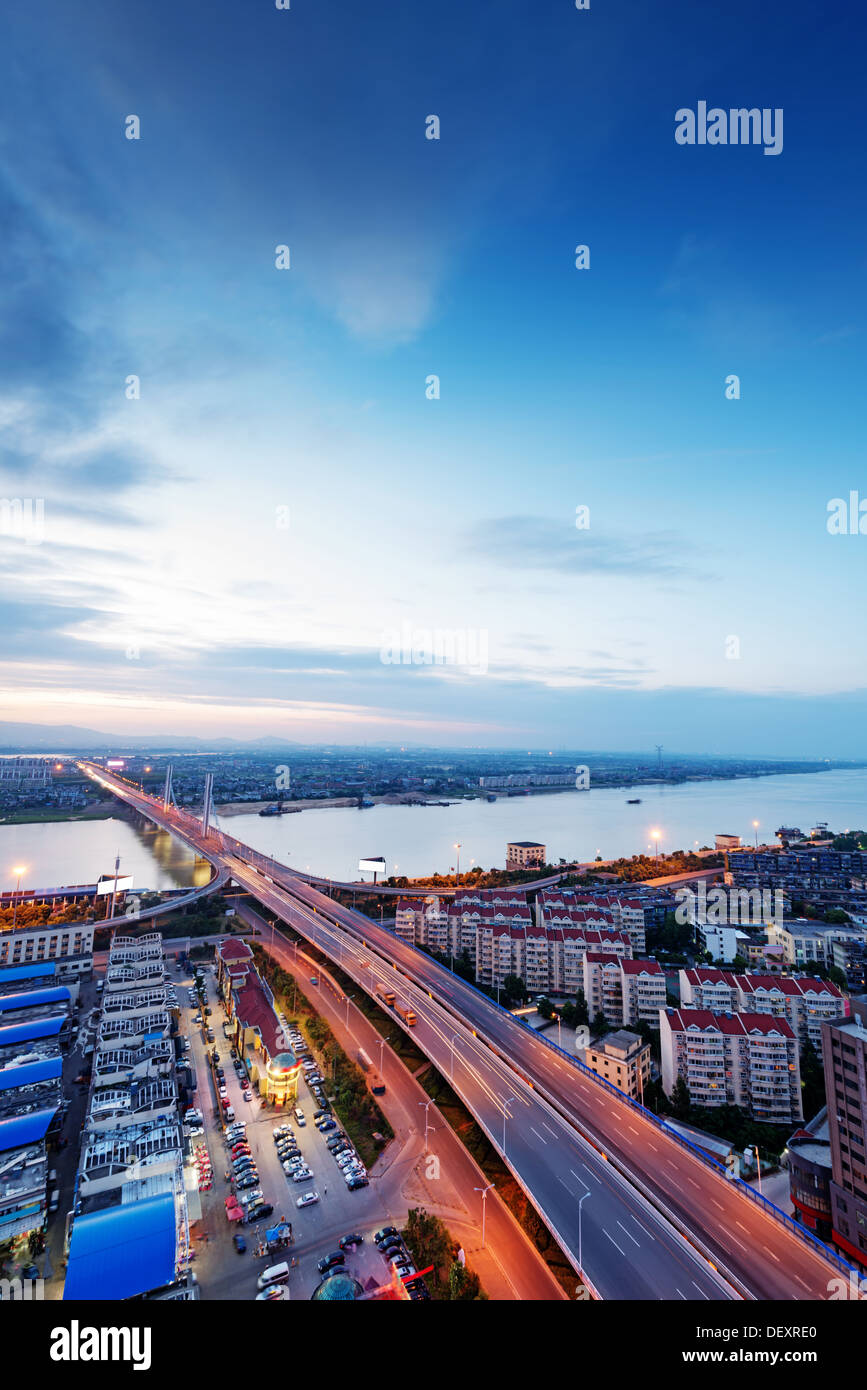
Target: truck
387 995
405 1012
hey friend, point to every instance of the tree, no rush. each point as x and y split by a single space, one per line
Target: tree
514 989
680 1099
600 1025
812 1080
545 1008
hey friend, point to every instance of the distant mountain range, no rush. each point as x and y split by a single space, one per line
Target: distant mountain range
69 738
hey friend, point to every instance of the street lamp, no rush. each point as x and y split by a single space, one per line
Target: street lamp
580 1231
458 875
655 836
425 1105
19 870
755 1149
349 999
484 1191
756 829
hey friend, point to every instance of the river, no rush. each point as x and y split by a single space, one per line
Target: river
420 839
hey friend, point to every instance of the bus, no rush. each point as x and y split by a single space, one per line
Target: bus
406 1013
388 996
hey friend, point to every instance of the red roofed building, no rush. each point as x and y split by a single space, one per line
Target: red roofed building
745 1059
802 1000
257 1033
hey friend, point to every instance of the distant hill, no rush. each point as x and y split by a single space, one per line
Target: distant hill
70 738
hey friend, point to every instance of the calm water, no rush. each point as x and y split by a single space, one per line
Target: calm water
417 839
66 852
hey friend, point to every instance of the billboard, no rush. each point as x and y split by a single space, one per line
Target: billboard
372 866
106 885
115 762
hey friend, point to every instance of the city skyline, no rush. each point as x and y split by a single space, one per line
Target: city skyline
228 554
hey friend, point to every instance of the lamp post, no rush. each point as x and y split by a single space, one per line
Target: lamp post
18 870
655 836
484 1191
458 874
755 1149
425 1105
580 1232
756 829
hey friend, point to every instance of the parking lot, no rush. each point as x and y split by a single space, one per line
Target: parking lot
224 1273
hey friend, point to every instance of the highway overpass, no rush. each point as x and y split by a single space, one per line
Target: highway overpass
640 1212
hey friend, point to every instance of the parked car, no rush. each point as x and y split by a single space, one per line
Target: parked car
307 1199
382 1235
258 1212
326 1126
336 1257
249 1181
248 1095
355 1183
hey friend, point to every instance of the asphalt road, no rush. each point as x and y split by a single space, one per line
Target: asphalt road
627 1249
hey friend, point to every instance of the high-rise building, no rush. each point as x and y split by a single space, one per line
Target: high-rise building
844 1053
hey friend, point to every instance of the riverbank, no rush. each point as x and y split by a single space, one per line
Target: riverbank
49 815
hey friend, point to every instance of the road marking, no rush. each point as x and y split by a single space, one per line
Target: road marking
652 1146
632 1127
771 1253
693 1181
629 1233
736 1241
683 1295
589 1173
642 1225
742 1226
672 1166
614 1243
803 1281
550 1130
717 1204
701 1291
538 1135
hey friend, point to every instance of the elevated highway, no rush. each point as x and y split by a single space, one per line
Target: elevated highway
639 1212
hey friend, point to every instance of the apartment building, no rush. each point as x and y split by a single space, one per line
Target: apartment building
844 1053
805 941
802 1000
522 854
614 910
68 944
622 1058
643 989
625 991
750 1060
135 1187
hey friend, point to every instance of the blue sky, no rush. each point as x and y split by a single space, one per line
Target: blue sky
165 597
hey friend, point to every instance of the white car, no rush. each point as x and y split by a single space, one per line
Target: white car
273 1295
303 1175
307 1200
